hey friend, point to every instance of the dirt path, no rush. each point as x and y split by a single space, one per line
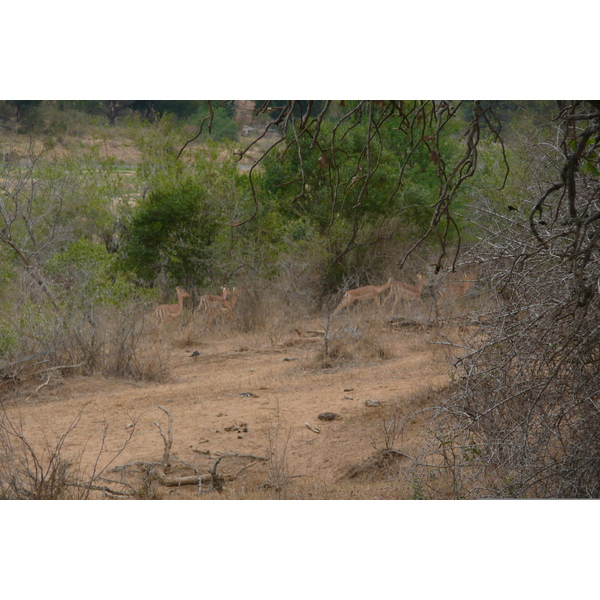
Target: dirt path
243 395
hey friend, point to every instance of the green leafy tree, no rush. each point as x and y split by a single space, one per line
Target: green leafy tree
159 144
221 125
182 109
172 231
431 149
45 205
355 197
25 111
114 108
88 276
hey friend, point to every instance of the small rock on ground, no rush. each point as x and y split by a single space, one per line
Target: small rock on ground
328 416
372 403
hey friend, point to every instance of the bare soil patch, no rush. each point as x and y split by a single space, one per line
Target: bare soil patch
245 398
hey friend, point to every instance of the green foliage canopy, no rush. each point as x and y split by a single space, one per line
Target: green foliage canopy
171 230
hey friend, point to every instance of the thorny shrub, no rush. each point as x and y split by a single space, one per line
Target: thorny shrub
523 420
46 471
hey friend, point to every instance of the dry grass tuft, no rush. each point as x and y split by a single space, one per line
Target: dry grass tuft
154 366
188 335
382 464
353 345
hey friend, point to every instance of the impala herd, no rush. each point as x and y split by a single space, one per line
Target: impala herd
224 304
450 290
212 305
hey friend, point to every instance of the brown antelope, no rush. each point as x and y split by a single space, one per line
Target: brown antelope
453 290
368 292
171 311
404 291
229 304
211 303
218 305
226 306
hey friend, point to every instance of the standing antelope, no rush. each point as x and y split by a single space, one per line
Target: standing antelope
214 305
368 292
405 291
225 307
229 304
454 289
171 311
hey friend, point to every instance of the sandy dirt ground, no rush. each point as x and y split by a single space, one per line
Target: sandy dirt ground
242 399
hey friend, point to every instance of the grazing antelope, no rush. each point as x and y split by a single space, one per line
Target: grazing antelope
404 291
368 292
171 311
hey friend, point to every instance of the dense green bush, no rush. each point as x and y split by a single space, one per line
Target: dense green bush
171 231
86 275
222 127
8 339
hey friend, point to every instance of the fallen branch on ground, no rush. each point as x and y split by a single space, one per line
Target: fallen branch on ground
161 471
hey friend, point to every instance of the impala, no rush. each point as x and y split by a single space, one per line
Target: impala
225 307
453 290
229 304
210 302
404 291
171 311
368 292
